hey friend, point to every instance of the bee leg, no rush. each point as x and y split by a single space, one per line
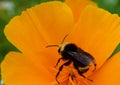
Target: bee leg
61 67
81 71
94 68
58 61
84 76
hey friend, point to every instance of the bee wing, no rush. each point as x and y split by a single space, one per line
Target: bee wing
91 58
81 57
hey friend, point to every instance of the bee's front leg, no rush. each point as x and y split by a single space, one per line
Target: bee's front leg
61 67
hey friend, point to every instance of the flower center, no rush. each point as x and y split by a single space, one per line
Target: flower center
70 76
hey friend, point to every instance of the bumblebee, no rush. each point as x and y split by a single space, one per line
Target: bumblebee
72 53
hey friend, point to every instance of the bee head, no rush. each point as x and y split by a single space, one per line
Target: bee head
67 47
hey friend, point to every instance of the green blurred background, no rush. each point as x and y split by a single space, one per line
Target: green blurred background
10 8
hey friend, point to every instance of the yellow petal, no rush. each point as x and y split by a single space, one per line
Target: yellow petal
55 17
17 70
97 32
77 6
108 74
39 26
24 35
29 41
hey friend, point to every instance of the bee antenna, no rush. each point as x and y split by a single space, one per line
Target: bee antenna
64 38
52 46
57 45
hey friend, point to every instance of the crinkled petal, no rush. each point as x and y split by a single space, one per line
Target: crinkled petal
17 70
108 74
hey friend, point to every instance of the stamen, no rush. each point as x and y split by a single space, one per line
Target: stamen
86 83
71 81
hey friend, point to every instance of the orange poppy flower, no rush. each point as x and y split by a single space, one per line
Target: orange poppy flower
94 30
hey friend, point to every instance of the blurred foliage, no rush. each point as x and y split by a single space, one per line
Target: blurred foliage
112 6
23 4
10 8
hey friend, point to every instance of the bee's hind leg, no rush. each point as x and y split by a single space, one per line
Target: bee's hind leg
81 73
